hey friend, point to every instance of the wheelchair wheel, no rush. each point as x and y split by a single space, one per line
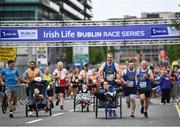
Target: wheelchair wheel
82 106
96 107
4 111
120 106
26 109
36 110
94 103
50 111
74 103
106 112
4 104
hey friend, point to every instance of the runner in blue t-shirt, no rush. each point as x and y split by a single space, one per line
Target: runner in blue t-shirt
11 77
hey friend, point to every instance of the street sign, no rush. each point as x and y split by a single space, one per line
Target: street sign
80 55
7 54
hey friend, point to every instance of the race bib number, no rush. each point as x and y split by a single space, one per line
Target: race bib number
130 83
76 80
143 84
110 77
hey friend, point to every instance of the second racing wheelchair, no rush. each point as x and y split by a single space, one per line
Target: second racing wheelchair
37 97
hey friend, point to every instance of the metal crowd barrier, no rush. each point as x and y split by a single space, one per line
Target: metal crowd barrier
21 92
21 95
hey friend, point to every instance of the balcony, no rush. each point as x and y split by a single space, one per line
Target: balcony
47 3
77 4
72 11
19 1
89 3
51 5
89 12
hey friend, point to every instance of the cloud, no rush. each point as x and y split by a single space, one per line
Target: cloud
104 9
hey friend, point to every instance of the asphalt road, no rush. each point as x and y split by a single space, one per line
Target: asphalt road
159 115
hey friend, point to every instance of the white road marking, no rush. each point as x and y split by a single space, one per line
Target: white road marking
33 121
178 109
58 114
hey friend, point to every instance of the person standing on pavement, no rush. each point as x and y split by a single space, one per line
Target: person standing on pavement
173 79
130 88
165 85
60 75
144 79
110 71
11 77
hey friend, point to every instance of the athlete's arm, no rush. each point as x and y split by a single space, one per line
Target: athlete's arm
55 74
1 76
137 74
1 73
119 72
122 79
100 71
17 74
24 77
151 76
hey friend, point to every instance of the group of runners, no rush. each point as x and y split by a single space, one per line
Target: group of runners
135 82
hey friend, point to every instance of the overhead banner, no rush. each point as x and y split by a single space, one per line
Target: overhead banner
88 33
7 54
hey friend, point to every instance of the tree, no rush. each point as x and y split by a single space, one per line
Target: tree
173 50
176 24
69 54
98 54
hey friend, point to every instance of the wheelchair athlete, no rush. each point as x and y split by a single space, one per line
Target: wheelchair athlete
108 94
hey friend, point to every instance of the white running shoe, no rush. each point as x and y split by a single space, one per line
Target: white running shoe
30 113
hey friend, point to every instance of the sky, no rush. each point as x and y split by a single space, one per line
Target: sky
104 9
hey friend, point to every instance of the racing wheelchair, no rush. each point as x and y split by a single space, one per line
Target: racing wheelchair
4 103
110 102
37 97
84 97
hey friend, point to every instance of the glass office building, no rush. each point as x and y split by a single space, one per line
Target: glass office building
44 10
